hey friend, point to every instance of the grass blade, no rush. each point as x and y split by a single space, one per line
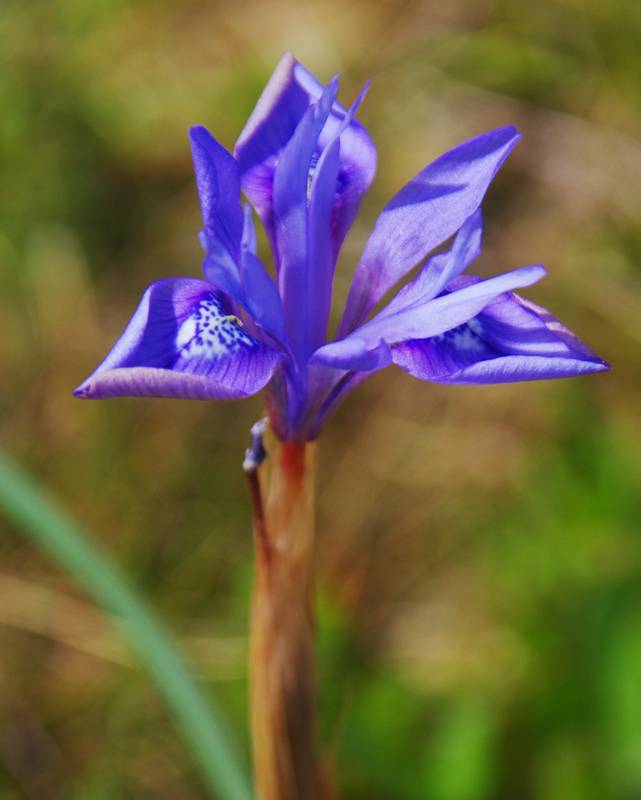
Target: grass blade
24 504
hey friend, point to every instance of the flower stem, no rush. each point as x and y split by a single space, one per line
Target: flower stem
282 670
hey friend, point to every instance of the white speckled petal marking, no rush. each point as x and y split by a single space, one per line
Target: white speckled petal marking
465 338
183 341
208 334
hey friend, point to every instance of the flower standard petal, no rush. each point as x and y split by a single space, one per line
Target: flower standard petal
260 293
291 190
218 184
229 238
182 341
427 211
320 245
510 340
283 103
322 253
423 319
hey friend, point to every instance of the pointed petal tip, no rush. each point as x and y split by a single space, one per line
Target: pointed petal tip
83 391
503 138
511 132
532 273
329 94
199 136
362 95
196 130
353 109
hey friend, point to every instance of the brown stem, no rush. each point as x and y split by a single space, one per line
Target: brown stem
282 632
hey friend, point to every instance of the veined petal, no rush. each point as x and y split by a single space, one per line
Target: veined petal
320 241
183 341
218 184
426 212
466 248
354 354
260 294
283 103
423 320
291 188
510 340
320 246
262 299
440 269
247 281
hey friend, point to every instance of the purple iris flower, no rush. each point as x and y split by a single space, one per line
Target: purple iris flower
304 163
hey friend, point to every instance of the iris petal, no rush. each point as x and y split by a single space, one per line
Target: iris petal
182 341
218 184
282 105
440 269
291 189
320 240
510 340
426 212
229 238
320 244
259 292
422 320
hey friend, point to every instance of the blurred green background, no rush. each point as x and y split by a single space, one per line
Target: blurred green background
479 548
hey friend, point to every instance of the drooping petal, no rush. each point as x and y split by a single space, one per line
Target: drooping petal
283 103
421 321
291 188
510 340
182 341
426 212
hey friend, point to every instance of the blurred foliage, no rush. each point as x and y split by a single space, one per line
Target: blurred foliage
479 549
28 508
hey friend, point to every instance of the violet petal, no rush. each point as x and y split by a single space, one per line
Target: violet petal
426 212
182 341
510 340
288 94
423 320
